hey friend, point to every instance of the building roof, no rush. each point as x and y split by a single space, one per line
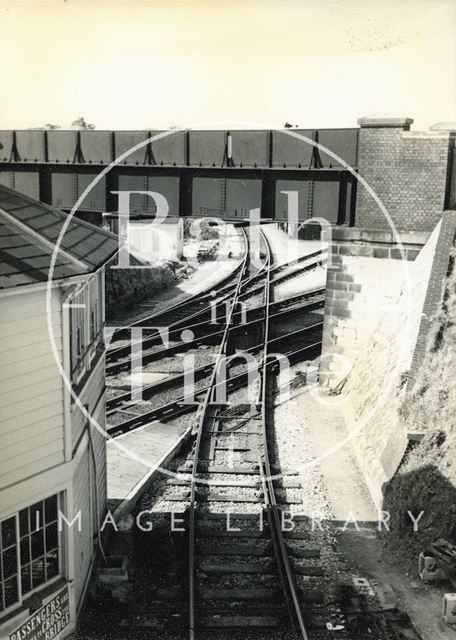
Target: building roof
28 232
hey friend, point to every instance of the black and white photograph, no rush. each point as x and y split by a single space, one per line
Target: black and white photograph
228 320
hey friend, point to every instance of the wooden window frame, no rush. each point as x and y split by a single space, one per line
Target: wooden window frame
6 611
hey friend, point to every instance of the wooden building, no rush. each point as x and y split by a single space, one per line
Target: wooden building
52 458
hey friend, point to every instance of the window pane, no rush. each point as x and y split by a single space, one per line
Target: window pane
1 596
11 591
38 573
25 550
51 509
26 579
36 516
9 562
37 544
24 526
8 532
51 537
52 564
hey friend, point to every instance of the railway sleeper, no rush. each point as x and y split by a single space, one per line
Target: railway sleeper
248 484
238 621
231 498
296 552
216 533
251 594
229 549
260 568
234 517
247 499
236 568
207 467
214 482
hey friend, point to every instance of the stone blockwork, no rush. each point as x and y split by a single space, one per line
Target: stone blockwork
406 170
372 314
377 243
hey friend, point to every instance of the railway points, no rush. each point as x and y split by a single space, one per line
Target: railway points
233 446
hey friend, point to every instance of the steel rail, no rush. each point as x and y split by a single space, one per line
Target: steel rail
112 368
283 563
182 405
219 286
148 320
202 411
284 306
150 341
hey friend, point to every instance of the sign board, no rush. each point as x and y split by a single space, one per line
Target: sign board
48 621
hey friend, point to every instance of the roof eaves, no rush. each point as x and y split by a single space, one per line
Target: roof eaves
23 228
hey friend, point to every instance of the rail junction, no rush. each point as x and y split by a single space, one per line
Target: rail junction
242 568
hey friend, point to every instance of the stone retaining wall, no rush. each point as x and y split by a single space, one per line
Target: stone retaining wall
372 316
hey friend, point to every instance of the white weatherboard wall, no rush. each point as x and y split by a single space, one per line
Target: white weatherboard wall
377 332
31 401
89 484
36 461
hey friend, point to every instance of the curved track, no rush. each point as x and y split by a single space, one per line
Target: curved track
243 573
209 422
206 604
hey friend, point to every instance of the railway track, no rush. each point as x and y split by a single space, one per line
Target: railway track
241 577
198 309
119 358
237 569
170 410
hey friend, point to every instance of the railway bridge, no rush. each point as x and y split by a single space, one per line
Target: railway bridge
218 173
228 173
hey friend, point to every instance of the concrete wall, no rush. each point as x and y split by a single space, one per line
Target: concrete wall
408 171
371 328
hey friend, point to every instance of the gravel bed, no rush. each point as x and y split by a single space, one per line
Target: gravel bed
200 352
236 519
229 477
244 492
293 447
232 507
260 543
169 506
232 439
163 397
229 458
238 580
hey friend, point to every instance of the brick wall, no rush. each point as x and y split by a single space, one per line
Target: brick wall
407 171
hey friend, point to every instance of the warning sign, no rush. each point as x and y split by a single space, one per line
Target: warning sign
48 621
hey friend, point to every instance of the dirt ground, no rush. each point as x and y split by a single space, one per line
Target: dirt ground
364 551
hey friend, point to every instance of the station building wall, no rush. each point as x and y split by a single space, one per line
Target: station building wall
31 403
51 460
